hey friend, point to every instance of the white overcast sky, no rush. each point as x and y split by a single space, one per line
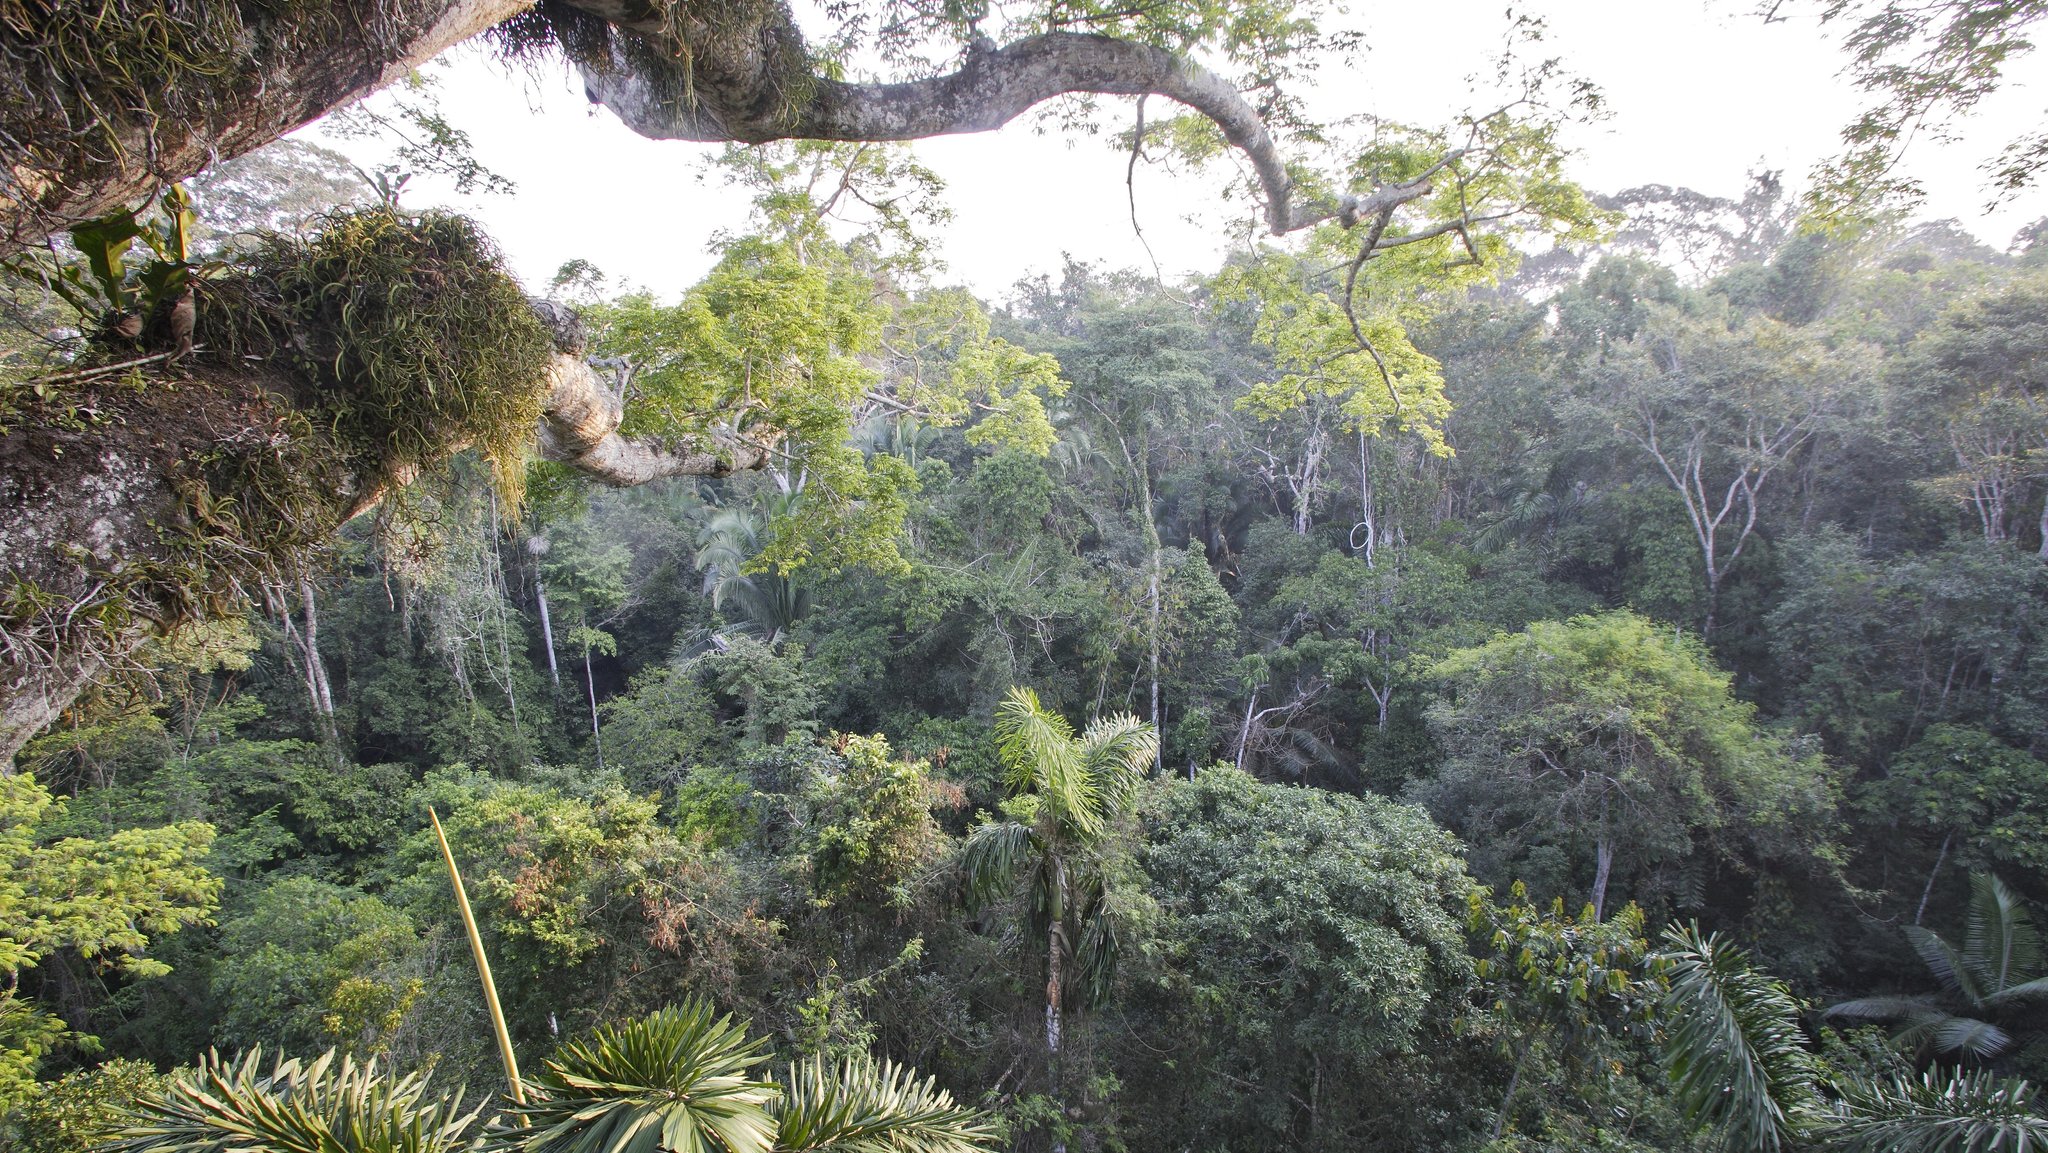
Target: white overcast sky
1700 92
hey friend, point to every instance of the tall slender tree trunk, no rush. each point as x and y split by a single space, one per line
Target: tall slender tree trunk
1500 1119
316 666
537 546
1603 858
302 649
1928 892
323 690
1244 735
590 683
1157 607
1368 512
1053 979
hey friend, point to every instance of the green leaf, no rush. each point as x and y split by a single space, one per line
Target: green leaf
677 1080
104 243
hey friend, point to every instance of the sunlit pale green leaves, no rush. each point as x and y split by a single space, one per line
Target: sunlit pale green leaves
104 899
1337 312
795 334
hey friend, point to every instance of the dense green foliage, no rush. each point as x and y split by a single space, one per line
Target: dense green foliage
1157 743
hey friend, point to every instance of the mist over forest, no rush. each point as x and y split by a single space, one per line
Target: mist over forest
1493 666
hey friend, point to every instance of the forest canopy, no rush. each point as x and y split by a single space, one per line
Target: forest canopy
1488 665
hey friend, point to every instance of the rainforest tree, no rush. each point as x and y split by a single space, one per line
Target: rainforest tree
109 117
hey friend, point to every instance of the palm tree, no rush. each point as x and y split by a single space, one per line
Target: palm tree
1735 1054
1072 793
768 604
678 1081
1999 969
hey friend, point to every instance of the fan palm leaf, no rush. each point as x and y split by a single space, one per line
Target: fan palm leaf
1732 1044
2015 994
333 1104
1956 972
1970 1037
1998 969
1953 1112
858 1106
1895 1007
677 1080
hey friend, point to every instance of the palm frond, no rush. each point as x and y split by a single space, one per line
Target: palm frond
1889 1008
676 1080
1732 1044
1039 755
2002 938
857 1106
1116 753
2016 994
1923 1029
1098 950
1950 966
331 1103
1956 1112
1971 1038
724 544
992 859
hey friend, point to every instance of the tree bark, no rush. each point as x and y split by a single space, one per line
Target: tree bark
992 87
1053 979
590 684
740 73
1603 856
295 64
547 626
112 531
1927 893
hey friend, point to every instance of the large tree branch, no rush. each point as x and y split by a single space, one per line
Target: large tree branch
580 428
991 88
77 142
734 71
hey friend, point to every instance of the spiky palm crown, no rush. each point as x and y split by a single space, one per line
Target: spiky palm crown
333 1104
680 1080
1954 1112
